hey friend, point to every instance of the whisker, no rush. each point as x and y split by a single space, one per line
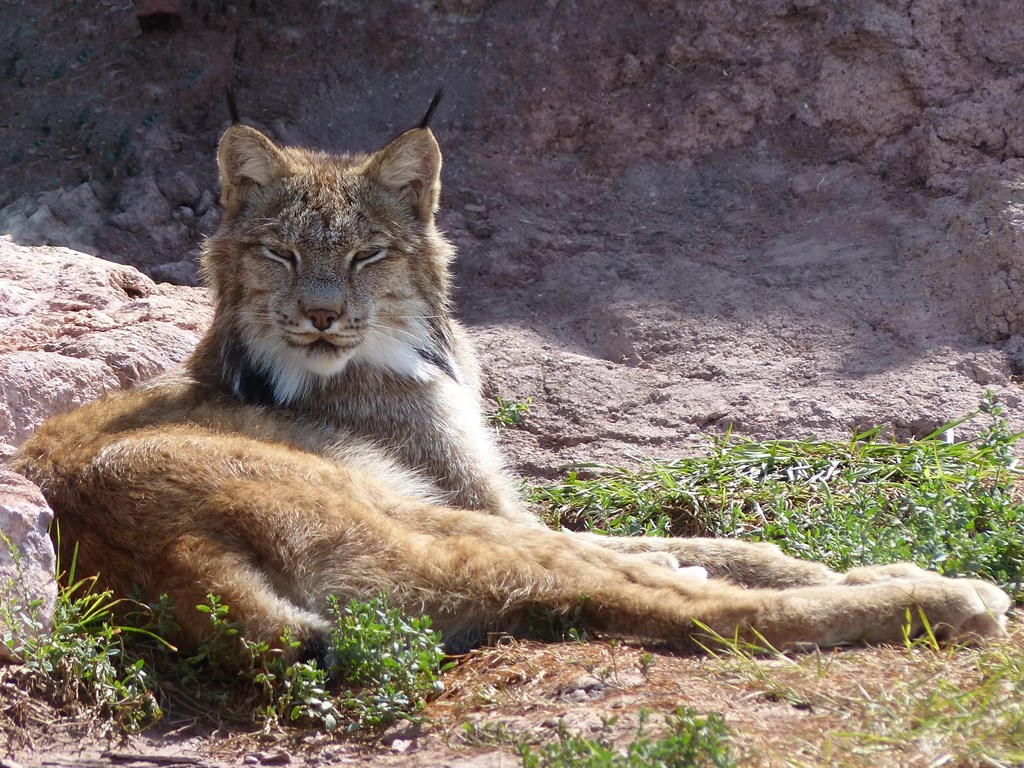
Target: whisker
391 328
410 317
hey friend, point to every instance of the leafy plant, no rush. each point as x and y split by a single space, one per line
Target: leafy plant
381 666
510 412
297 693
82 659
20 614
692 741
391 661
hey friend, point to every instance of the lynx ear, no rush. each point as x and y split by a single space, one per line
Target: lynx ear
247 158
411 167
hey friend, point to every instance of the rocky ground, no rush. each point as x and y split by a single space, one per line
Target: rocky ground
785 218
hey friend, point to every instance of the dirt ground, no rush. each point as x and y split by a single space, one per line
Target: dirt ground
787 218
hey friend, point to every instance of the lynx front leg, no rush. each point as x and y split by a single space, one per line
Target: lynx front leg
197 567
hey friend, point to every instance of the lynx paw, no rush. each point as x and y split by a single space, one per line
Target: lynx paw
962 610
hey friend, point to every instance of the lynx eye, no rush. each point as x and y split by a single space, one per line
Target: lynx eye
282 254
361 258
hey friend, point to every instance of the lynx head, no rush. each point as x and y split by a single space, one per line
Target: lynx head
327 261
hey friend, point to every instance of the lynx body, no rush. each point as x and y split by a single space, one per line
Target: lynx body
326 438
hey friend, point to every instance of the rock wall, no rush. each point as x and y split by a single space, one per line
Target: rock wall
121 115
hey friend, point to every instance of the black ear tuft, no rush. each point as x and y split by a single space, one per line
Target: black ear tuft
425 122
232 104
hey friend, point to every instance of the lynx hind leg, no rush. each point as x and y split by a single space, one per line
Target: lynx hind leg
204 567
746 563
503 584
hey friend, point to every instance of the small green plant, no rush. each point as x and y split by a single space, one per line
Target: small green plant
220 645
646 664
297 693
692 741
390 662
554 625
20 615
510 412
381 666
486 734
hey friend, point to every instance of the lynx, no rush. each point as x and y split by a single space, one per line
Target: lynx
326 438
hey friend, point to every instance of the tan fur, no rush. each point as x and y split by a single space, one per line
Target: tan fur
326 438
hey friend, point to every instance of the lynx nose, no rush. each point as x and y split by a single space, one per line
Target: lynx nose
322 319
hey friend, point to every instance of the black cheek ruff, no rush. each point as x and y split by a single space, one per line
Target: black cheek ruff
435 358
249 384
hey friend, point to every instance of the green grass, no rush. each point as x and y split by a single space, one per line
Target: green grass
951 507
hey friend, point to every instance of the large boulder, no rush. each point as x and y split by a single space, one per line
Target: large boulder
74 326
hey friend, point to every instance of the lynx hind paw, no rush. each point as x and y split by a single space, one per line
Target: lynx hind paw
968 610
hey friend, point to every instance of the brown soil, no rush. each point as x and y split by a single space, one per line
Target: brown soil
788 218
833 708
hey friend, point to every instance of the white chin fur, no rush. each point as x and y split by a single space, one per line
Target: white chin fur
293 370
383 350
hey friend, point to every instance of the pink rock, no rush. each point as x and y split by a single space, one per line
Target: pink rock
27 563
74 326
